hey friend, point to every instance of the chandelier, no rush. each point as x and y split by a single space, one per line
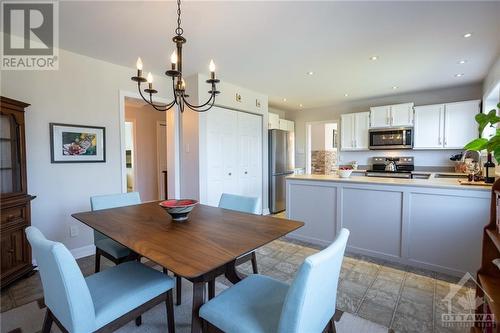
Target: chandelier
178 83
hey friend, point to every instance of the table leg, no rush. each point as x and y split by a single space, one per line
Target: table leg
232 274
198 300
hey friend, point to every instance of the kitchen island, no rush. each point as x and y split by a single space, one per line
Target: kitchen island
433 223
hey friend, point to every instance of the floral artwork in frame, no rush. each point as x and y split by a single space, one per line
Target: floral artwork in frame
77 143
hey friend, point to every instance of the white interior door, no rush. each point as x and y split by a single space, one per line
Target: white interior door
161 146
250 155
221 154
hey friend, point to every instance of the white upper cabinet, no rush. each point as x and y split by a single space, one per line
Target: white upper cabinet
459 125
273 121
428 130
401 115
287 125
397 115
445 126
354 131
380 116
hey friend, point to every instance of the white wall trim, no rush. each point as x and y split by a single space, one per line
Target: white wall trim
83 251
308 126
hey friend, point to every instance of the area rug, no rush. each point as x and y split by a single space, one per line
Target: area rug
29 318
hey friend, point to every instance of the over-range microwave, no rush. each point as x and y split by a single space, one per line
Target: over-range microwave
391 138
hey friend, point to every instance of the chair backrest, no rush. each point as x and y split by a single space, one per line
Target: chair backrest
98 202
240 203
311 299
65 291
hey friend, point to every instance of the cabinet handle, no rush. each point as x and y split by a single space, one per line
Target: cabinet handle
230 174
246 172
439 140
11 251
11 217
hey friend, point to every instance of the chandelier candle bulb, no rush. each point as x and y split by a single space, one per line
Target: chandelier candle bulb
211 67
173 60
139 67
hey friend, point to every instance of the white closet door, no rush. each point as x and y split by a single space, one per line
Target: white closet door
250 155
222 154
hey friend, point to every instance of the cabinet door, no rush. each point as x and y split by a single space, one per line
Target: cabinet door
402 115
347 132
13 250
380 116
361 125
274 121
249 155
222 154
459 125
283 124
291 126
428 130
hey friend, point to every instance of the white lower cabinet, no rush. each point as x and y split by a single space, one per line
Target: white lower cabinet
433 228
445 126
354 131
233 155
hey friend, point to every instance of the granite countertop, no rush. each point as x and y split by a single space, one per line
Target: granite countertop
446 183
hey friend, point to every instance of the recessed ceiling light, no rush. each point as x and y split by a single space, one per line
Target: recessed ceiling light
463 61
284 99
395 87
310 73
467 35
373 58
300 105
459 75
346 95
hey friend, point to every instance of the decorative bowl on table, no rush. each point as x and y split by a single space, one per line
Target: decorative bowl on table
179 209
344 172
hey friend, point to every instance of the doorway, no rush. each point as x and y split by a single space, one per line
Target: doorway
322 153
145 149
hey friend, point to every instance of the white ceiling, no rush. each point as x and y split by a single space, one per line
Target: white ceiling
270 46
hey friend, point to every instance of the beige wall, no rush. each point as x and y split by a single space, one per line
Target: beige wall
145 119
460 93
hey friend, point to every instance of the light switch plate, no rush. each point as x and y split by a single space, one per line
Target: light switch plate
73 231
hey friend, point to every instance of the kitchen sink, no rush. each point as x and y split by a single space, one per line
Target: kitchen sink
440 175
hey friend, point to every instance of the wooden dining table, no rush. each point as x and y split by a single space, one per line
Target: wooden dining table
204 247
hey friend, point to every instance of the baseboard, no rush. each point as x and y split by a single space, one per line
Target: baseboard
83 251
266 211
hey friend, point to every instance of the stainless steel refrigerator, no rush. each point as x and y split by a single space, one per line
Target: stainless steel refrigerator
281 164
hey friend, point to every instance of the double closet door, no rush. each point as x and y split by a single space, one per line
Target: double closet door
234 154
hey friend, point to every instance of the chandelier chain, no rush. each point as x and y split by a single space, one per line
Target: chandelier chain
179 31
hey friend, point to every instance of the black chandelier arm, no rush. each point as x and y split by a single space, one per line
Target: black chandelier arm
212 96
199 108
157 107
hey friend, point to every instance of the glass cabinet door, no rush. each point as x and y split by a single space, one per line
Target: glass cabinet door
10 159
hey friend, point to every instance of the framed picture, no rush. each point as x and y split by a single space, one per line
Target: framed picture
77 143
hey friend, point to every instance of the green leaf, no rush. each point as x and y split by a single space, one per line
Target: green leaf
477 144
483 119
496 154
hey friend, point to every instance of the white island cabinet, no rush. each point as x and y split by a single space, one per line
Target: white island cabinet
434 224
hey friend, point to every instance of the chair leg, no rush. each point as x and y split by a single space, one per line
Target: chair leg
47 322
170 312
97 260
138 321
211 289
178 290
254 263
331 328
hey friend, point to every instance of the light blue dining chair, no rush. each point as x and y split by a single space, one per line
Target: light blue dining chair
105 246
242 204
260 304
101 302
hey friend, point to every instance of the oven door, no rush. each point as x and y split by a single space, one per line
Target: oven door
391 138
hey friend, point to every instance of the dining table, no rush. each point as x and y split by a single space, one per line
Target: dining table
205 246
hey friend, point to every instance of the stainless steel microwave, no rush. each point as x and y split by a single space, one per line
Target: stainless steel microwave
391 138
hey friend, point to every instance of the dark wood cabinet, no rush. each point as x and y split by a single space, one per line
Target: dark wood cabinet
15 252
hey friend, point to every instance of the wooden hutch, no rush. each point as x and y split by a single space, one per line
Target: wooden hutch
488 275
15 253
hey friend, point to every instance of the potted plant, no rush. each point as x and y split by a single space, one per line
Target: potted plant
492 145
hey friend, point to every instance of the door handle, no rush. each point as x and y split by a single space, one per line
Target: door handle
246 172
230 174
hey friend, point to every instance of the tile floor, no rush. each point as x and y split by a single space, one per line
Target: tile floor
400 298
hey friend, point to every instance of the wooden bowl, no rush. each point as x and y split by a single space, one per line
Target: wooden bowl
179 209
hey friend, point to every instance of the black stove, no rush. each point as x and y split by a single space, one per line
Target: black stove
402 167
